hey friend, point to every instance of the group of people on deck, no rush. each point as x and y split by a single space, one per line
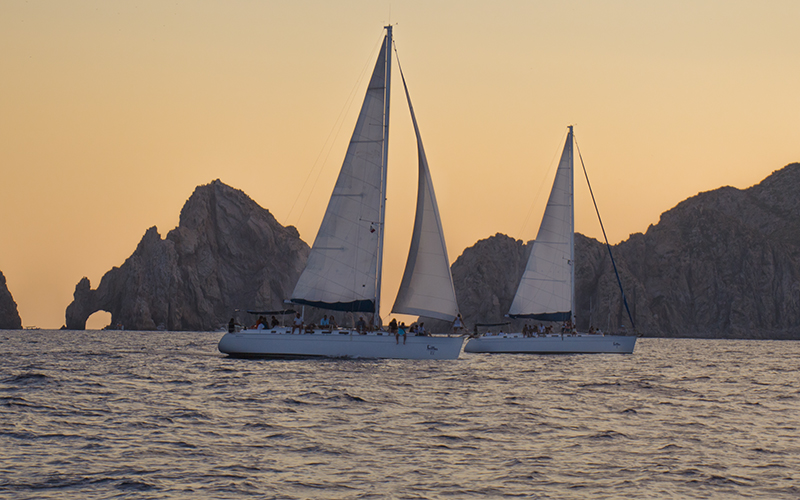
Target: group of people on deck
536 330
262 323
327 323
566 328
401 330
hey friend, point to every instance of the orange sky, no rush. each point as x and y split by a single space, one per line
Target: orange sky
112 112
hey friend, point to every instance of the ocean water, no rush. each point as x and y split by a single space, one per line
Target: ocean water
164 415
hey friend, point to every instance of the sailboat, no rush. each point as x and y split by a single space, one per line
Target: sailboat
343 271
546 291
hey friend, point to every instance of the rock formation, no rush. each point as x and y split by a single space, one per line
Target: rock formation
9 317
227 253
724 263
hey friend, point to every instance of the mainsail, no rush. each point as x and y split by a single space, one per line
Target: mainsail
546 289
427 285
342 268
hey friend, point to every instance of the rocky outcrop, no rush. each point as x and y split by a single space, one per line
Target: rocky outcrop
725 263
9 316
226 254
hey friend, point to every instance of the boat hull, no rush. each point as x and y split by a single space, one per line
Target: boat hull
337 344
553 344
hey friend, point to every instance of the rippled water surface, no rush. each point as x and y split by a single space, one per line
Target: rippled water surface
164 415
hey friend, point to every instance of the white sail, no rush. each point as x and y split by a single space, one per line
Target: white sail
545 291
343 271
342 268
427 285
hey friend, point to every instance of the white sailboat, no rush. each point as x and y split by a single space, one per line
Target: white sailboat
343 272
546 291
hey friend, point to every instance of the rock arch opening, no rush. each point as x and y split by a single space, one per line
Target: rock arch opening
98 320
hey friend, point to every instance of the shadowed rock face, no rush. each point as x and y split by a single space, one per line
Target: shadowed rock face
227 253
724 263
9 316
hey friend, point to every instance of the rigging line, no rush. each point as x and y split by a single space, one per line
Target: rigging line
539 192
337 129
602 227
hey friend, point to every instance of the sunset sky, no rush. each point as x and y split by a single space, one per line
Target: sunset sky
112 112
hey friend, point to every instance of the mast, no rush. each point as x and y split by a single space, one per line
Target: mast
384 171
572 226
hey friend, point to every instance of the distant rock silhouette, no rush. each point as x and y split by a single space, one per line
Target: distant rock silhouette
227 253
723 264
9 316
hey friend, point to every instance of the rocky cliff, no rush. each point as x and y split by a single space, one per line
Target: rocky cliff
724 263
227 253
9 317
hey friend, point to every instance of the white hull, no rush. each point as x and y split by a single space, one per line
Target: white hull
553 344
279 343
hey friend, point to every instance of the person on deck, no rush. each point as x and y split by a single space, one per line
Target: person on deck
458 324
274 322
297 324
401 332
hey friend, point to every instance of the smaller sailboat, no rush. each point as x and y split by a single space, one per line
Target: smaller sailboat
343 271
546 291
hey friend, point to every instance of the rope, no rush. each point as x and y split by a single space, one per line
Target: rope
327 146
613 263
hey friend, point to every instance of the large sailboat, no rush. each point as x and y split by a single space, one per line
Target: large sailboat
546 291
343 271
